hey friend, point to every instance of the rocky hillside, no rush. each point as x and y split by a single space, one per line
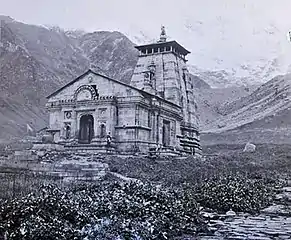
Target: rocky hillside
34 61
212 100
262 116
111 52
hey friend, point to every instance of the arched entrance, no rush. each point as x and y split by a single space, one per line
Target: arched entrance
86 131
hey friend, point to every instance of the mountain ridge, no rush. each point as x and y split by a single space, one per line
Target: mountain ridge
36 61
267 107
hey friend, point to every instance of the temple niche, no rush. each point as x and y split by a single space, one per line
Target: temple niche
156 110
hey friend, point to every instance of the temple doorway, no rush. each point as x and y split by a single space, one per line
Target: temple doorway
166 133
86 132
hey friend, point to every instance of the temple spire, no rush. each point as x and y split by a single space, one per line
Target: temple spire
163 36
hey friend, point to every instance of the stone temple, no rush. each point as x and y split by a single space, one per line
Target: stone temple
157 110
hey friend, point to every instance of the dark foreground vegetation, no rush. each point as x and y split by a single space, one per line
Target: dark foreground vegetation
166 205
101 211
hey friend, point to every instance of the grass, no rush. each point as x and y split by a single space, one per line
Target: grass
225 178
16 184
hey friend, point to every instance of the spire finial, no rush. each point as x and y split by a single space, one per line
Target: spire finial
163 36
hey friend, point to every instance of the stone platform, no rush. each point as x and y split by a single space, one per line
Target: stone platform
48 147
65 165
90 148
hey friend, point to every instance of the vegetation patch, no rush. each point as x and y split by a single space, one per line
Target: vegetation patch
232 179
103 211
234 192
166 205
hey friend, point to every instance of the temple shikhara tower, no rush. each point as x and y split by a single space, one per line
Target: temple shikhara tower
157 110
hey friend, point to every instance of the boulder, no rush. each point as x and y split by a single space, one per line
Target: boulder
230 213
48 138
249 147
277 210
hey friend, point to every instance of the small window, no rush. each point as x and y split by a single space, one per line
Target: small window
102 130
128 92
152 75
143 51
161 93
195 106
168 49
162 49
150 51
184 76
156 50
68 132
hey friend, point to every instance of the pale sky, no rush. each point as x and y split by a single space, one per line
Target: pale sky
219 33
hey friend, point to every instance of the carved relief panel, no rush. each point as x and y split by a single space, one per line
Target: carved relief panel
102 112
85 93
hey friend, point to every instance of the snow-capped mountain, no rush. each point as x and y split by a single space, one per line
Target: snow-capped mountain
231 73
36 60
233 42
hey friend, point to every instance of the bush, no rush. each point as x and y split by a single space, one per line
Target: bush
236 192
103 211
238 181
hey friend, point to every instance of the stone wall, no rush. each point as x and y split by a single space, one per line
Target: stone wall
128 114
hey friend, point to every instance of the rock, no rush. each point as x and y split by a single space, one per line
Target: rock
208 215
287 189
249 147
48 138
278 210
40 153
230 213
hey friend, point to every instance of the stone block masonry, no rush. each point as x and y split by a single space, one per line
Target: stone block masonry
156 110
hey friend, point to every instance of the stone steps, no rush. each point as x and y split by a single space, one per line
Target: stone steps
90 148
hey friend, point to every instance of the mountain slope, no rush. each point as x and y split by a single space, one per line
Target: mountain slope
268 107
113 53
35 61
211 101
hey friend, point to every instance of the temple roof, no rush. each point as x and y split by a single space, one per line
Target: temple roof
176 45
111 79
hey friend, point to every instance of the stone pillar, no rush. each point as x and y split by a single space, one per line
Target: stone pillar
77 126
95 126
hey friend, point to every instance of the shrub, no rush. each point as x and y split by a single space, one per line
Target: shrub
103 211
236 192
